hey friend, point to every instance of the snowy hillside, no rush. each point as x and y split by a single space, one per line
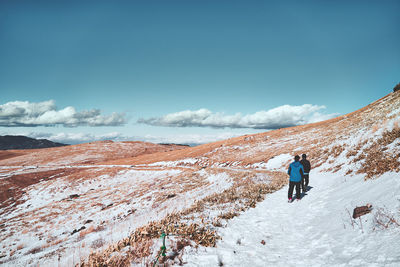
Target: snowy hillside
317 231
221 203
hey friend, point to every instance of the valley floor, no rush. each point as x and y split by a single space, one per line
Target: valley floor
316 231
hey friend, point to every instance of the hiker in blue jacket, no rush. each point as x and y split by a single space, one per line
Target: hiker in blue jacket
296 173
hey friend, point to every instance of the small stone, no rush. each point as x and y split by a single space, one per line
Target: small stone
360 211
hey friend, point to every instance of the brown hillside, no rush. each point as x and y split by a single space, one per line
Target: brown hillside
319 140
88 153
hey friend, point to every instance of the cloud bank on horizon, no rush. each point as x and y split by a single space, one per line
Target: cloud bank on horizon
27 114
78 138
45 114
279 117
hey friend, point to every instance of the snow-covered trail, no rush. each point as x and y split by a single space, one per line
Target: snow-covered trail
315 231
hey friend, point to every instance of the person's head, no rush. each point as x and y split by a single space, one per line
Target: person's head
296 158
304 156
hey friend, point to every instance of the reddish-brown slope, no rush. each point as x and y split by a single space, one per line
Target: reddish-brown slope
315 139
88 153
35 165
9 154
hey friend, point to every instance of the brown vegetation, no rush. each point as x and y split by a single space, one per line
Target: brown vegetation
12 188
376 161
244 195
396 88
384 219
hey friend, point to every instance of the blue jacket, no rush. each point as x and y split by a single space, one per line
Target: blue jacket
295 171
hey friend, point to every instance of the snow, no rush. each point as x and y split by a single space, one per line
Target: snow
187 161
219 181
47 198
394 112
47 208
316 231
278 161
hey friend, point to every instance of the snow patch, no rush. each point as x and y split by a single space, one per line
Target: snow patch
278 163
394 112
183 162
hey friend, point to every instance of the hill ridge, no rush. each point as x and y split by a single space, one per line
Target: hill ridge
10 142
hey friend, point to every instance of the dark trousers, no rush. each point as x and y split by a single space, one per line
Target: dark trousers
291 187
304 181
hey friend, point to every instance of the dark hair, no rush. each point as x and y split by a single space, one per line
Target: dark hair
304 156
297 158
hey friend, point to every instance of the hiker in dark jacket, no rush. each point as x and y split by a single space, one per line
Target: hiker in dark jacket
307 167
296 172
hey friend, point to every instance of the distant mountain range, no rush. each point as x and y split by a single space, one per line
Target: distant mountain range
22 142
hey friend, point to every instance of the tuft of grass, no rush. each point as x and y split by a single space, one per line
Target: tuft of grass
34 250
220 262
86 231
384 219
396 88
98 243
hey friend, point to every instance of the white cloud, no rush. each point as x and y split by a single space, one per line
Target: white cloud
280 117
191 139
27 114
78 138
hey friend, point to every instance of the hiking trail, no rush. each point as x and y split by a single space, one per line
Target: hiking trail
316 231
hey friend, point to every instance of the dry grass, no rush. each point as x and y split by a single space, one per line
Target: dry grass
88 153
240 197
396 124
86 231
337 168
34 250
396 88
376 161
336 151
384 219
228 215
375 128
98 243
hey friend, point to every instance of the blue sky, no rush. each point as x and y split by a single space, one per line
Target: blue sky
189 71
